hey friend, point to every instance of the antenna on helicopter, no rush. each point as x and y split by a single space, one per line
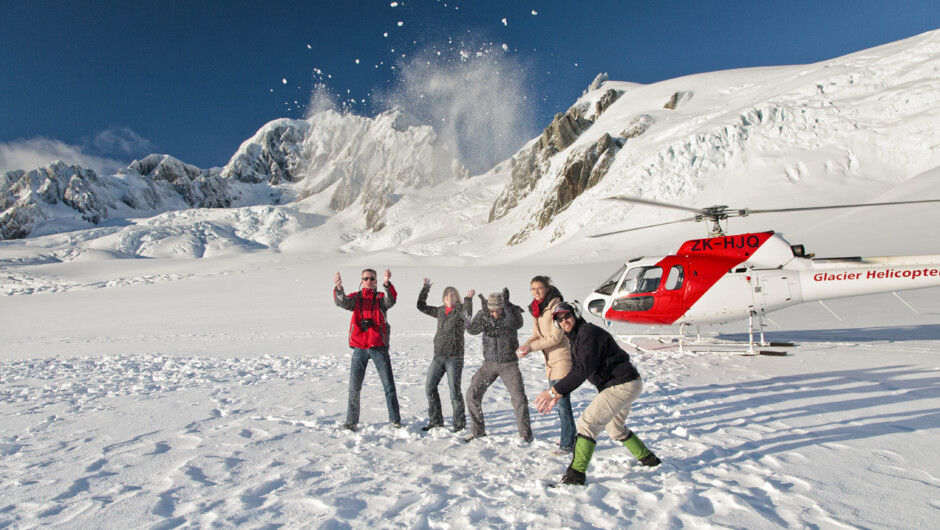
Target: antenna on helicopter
719 213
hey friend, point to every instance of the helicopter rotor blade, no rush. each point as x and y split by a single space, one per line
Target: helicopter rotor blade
687 219
835 206
648 202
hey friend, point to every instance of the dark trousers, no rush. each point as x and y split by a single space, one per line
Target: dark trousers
357 372
512 378
453 367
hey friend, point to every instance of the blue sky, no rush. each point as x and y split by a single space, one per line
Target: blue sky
114 80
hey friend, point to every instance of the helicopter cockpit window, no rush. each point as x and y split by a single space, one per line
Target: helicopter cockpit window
642 280
674 280
611 283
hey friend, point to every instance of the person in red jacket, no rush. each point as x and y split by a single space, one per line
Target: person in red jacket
368 338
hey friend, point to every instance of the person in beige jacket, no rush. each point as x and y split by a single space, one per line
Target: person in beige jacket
550 338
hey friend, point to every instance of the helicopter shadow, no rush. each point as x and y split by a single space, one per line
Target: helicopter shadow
869 334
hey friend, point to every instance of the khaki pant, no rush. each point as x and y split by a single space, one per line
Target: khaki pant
610 410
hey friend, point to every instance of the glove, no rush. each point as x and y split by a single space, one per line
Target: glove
482 300
506 295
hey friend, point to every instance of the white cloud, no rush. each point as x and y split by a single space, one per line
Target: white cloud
38 152
122 141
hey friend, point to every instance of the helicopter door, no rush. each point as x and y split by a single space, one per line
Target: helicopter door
670 298
772 291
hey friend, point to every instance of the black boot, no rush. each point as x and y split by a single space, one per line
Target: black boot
573 476
430 426
650 460
583 451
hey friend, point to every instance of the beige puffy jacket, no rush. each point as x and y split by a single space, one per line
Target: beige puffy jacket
549 338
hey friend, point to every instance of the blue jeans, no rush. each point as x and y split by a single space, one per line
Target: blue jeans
357 372
567 420
453 367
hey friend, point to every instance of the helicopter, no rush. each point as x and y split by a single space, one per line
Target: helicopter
724 278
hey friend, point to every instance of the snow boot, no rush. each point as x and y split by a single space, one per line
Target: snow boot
640 451
583 451
573 476
430 426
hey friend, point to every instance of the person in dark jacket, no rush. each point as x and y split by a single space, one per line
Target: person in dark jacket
596 357
369 339
452 320
499 322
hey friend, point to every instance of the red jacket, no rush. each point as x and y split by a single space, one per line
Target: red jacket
367 305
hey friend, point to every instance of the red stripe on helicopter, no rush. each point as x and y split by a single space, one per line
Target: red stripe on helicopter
705 261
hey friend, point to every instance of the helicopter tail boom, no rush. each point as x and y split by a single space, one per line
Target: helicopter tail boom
860 276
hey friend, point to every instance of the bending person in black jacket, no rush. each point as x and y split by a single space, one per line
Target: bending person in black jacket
596 357
499 322
452 318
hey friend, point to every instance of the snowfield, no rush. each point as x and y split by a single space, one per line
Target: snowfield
213 395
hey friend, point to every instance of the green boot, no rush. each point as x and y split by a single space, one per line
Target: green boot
640 451
583 451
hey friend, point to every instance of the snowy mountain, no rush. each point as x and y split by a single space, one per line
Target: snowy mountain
846 129
355 160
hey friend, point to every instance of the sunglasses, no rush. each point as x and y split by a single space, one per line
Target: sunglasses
561 316
369 279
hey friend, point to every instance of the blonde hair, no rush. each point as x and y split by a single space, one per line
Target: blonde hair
451 290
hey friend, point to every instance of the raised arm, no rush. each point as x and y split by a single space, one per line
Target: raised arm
423 300
478 323
512 311
391 295
340 299
468 305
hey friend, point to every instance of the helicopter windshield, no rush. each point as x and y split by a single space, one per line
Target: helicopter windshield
611 283
641 280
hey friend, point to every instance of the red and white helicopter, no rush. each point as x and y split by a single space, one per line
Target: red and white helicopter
724 278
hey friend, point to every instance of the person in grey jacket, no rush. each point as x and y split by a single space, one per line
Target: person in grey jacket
499 322
452 318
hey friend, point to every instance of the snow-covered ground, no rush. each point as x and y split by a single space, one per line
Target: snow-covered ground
211 391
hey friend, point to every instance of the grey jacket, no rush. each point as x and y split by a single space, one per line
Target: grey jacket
448 341
500 335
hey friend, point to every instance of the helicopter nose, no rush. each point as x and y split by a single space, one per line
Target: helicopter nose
596 304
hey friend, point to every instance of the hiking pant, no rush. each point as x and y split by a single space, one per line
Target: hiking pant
453 367
357 372
609 411
512 378
566 418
